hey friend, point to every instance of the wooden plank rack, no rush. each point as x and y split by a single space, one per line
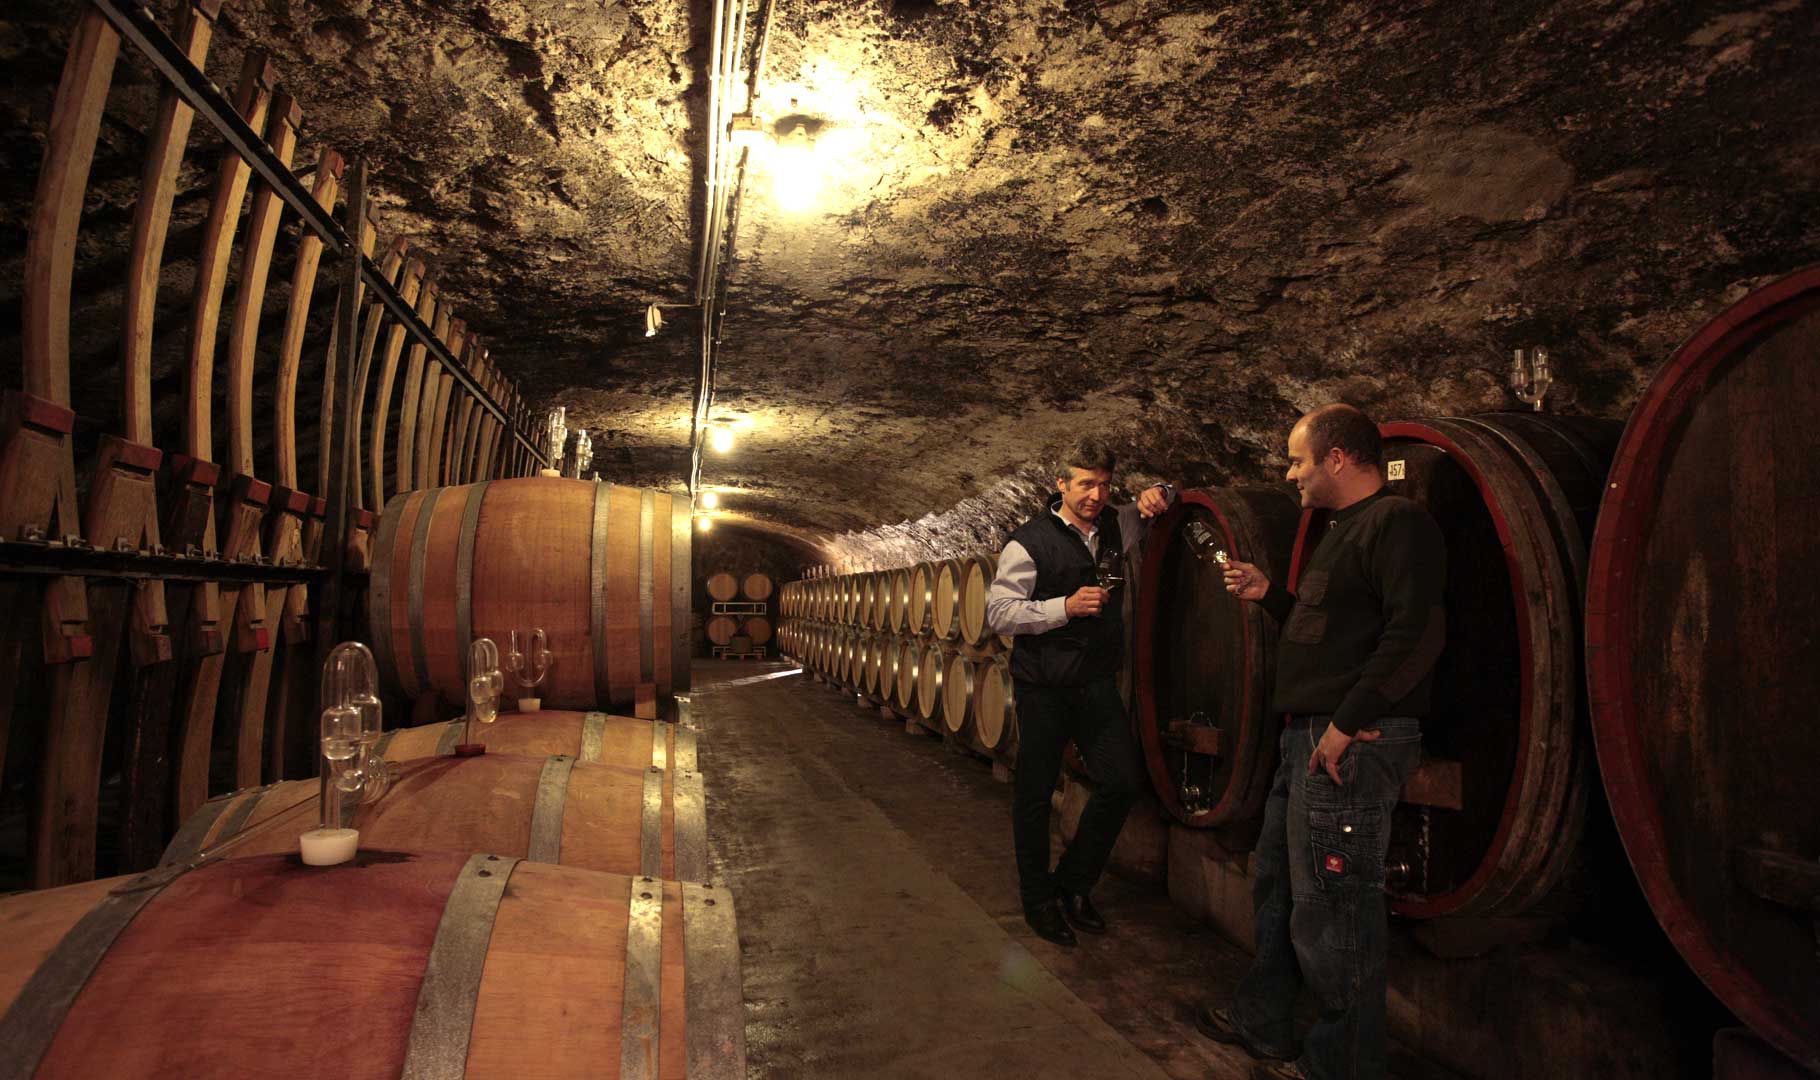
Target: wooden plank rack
173 597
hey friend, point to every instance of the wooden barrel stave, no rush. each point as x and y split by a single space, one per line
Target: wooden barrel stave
176 992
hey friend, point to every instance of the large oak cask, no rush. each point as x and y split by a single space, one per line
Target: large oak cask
1491 823
1703 613
602 569
397 964
1203 661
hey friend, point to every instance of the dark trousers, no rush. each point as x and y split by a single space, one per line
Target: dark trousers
1319 901
1047 717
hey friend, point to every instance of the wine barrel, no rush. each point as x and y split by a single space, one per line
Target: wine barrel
622 817
1492 820
922 596
931 670
396 964
585 736
721 628
723 586
758 628
756 587
995 708
1204 661
909 666
897 617
871 668
958 687
976 583
881 601
1703 611
945 600
603 569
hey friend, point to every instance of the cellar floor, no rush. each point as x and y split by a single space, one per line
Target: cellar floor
878 915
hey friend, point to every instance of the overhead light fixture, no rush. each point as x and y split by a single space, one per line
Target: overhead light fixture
720 438
710 499
746 131
705 522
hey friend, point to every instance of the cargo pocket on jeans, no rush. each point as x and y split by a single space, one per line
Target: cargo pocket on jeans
1345 844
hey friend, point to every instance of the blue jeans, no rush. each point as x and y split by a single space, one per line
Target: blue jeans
1319 901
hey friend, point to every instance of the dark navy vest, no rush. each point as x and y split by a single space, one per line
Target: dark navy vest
1082 650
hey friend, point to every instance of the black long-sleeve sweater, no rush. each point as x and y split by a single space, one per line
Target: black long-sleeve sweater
1363 630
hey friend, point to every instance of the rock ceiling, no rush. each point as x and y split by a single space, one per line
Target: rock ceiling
1180 224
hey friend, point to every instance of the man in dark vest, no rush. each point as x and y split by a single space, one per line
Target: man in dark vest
1355 672
1065 663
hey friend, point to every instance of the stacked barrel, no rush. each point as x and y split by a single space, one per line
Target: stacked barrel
738 620
912 639
541 906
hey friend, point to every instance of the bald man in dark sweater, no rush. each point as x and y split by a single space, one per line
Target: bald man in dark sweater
1355 674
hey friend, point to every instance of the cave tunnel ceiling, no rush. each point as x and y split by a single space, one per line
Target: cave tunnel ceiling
1179 224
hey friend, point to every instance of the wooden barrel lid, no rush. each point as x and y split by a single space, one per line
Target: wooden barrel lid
957 694
756 587
995 708
1703 607
758 628
945 610
1204 660
721 628
723 586
922 596
909 666
931 670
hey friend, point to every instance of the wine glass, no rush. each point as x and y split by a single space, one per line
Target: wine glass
1109 570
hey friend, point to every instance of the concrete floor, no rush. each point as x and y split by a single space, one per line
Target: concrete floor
878 911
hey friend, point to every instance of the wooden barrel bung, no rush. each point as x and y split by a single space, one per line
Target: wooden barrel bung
603 569
995 708
1491 822
1204 661
958 688
624 817
723 586
756 587
468 965
1702 613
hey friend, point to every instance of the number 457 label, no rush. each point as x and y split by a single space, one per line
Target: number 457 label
1393 470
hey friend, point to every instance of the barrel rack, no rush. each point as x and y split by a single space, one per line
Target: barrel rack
226 581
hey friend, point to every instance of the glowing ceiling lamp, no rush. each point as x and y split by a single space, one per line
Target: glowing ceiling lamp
705 522
710 499
796 173
720 438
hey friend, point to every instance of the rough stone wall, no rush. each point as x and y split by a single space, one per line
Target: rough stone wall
1181 224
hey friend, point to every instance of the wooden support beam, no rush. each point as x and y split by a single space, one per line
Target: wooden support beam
421 292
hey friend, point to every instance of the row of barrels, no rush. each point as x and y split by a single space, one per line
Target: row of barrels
965 692
943 599
1630 613
725 587
541 908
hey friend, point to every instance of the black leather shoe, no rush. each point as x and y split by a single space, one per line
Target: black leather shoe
1216 1024
1082 914
1048 923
